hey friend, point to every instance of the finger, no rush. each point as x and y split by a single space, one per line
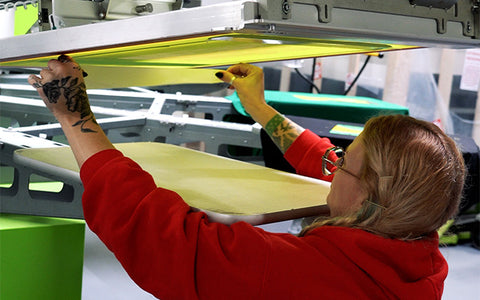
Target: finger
46 74
65 58
63 63
53 67
35 81
241 69
226 77
53 63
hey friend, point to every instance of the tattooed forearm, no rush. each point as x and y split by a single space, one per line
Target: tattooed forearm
76 98
273 124
282 131
82 122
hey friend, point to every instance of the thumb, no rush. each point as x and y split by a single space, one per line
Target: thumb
226 77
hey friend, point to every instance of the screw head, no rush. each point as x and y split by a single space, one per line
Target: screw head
285 7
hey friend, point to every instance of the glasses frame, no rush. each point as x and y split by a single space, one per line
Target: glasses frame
338 163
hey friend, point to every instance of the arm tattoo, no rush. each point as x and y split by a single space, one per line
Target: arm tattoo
273 123
282 131
76 99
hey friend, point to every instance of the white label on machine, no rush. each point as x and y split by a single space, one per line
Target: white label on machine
471 71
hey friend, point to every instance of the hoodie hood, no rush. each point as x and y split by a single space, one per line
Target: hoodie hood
399 268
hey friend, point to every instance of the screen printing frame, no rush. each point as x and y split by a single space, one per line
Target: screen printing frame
344 25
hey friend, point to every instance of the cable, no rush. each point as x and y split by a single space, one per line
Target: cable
307 80
380 55
358 75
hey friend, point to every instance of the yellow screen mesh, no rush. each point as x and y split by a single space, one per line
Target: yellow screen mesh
162 62
209 51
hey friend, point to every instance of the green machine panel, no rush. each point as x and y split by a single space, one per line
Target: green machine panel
322 106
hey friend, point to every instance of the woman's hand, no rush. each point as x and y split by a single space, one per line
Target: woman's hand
249 83
62 88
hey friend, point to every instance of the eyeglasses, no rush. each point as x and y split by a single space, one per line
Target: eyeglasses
329 167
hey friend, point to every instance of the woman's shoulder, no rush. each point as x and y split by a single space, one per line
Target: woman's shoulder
348 235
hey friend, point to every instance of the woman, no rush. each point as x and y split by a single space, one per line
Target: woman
409 166
392 188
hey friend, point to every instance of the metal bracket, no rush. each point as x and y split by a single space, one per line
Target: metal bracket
444 11
274 9
286 9
324 8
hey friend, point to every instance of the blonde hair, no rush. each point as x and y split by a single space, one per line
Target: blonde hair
414 175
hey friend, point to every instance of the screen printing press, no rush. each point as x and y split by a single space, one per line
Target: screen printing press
140 117
183 45
122 44
144 116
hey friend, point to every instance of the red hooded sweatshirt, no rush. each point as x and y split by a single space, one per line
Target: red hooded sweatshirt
175 253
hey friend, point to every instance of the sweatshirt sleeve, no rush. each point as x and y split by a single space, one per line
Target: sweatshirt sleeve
305 155
166 248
